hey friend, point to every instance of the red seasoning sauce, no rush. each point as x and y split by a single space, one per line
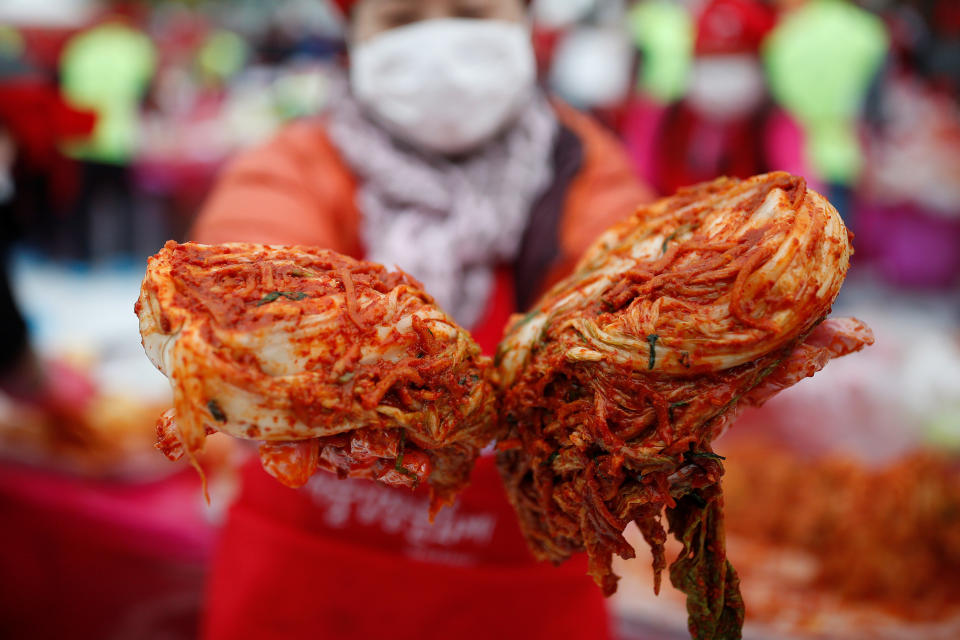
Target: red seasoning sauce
329 362
616 384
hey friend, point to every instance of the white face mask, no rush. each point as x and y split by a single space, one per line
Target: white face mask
726 86
592 67
559 14
446 85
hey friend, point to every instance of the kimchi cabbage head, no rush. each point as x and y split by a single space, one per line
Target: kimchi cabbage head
325 361
614 386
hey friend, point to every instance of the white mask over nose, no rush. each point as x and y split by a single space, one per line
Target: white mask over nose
445 85
726 86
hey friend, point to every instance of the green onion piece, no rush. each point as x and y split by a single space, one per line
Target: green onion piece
274 295
697 499
398 465
527 318
652 339
666 241
270 297
706 454
676 405
216 411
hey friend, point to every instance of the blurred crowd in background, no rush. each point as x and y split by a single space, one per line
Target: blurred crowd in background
115 118
149 99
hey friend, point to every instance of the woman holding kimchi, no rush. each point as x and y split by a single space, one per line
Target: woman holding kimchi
442 157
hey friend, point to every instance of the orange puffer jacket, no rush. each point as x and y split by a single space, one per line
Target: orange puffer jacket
296 189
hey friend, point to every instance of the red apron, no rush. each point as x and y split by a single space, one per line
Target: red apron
354 560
